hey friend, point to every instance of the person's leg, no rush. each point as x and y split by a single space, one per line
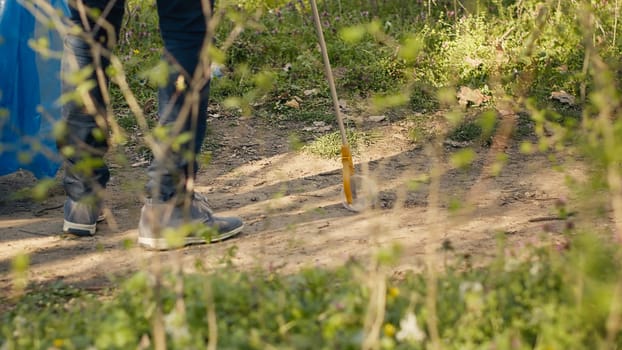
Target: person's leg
84 141
171 201
183 29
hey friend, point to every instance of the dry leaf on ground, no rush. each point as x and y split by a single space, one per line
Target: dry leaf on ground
377 118
563 97
474 96
293 103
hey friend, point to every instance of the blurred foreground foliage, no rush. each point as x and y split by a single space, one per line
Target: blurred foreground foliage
546 297
556 63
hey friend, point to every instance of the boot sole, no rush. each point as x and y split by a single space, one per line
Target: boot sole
161 244
81 230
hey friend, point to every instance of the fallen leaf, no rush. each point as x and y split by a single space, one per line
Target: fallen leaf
474 96
377 118
457 144
138 164
322 128
311 92
357 120
563 97
504 112
562 69
293 104
319 124
343 105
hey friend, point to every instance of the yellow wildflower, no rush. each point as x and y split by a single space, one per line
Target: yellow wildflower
180 83
389 330
58 343
393 292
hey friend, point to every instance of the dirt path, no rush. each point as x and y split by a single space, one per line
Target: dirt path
290 202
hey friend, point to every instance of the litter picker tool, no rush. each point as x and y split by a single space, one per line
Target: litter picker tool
351 200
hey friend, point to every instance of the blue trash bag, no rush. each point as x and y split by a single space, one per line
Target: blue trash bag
29 92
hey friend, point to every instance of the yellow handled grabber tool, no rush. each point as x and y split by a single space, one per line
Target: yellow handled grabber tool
346 156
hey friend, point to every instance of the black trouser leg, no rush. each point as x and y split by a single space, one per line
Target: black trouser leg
183 28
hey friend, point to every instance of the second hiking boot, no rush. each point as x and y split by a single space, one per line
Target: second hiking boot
168 225
81 218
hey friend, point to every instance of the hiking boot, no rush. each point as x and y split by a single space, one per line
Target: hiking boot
81 218
166 225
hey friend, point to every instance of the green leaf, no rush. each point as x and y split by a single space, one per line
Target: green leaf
158 75
264 80
232 102
389 101
487 121
463 158
353 34
526 147
160 132
98 134
295 143
41 44
454 117
76 77
411 47
181 140
20 263
374 28
42 189
499 163
24 157
446 95
68 151
216 55
416 182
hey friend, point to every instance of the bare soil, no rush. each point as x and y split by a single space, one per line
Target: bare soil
291 204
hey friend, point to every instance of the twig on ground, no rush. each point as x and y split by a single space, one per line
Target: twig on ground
34 233
552 218
42 211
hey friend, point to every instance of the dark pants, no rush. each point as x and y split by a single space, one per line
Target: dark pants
183 30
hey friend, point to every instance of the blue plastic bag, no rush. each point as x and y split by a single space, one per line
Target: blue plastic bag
29 91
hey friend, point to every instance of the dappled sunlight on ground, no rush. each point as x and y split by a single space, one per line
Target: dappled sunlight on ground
291 205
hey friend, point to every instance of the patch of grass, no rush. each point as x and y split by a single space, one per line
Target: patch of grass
469 48
525 297
524 126
423 98
127 121
465 132
329 145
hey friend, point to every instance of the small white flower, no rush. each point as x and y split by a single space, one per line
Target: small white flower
409 329
175 325
535 269
470 287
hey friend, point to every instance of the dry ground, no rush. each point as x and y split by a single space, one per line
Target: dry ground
290 202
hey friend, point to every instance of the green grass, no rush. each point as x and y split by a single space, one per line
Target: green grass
329 145
433 50
533 298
